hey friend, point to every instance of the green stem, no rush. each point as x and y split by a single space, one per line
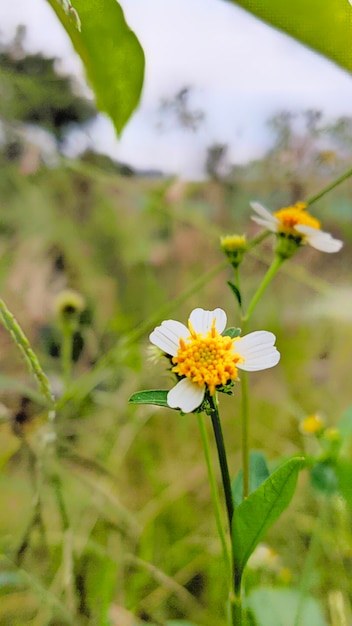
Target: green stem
214 413
245 433
236 610
329 187
20 339
274 267
66 353
214 493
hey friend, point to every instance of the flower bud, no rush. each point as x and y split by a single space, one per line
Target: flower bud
234 246
68 305
312 425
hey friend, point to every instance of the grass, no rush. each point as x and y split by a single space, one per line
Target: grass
126 531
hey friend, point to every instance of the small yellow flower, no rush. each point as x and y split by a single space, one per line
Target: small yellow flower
296 223
312 424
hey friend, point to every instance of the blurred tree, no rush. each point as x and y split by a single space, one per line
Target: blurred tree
178 108
33 92
216 162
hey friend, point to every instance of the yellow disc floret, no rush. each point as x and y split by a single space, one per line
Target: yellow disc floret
295 215
207 359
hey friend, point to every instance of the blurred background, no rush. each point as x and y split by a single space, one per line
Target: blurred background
134 225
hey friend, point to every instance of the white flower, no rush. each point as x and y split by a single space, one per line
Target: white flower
297 222
204 359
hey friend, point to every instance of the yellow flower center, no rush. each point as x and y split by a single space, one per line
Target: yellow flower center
207 359
292 216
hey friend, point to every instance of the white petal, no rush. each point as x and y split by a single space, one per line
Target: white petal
319 240
202 320
270 225
186 396
258 351
167 336
268 219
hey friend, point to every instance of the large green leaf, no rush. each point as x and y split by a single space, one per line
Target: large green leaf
323 25
111 53
260 510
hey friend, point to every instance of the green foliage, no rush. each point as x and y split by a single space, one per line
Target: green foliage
323 25
258 473
158 397
324 478
280 607
261 509
111 54
232 332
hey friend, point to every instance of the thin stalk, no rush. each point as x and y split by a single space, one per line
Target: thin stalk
21 341
222 457
214 493
245 433
329 187
274 267
236 610
66 353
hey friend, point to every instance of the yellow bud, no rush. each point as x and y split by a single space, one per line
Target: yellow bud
234 246
311 425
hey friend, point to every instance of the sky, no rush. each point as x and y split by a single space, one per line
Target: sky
240 70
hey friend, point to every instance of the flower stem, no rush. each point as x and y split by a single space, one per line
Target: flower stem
214 493
329 187
214 413
245 433
66 353
274 267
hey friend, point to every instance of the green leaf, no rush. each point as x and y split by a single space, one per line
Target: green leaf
344 475
279 607
323 25
324 477
231 332
235 290
260 510
158 397
258 473
111 53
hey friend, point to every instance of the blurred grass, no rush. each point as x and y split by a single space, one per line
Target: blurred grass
141 538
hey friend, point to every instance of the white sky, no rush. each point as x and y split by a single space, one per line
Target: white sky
241 72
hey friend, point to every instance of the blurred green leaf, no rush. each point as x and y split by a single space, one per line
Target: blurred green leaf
279 607
324 477
344 475
10 580
111 53
261 509
158 397
259 472
232 332
323 25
